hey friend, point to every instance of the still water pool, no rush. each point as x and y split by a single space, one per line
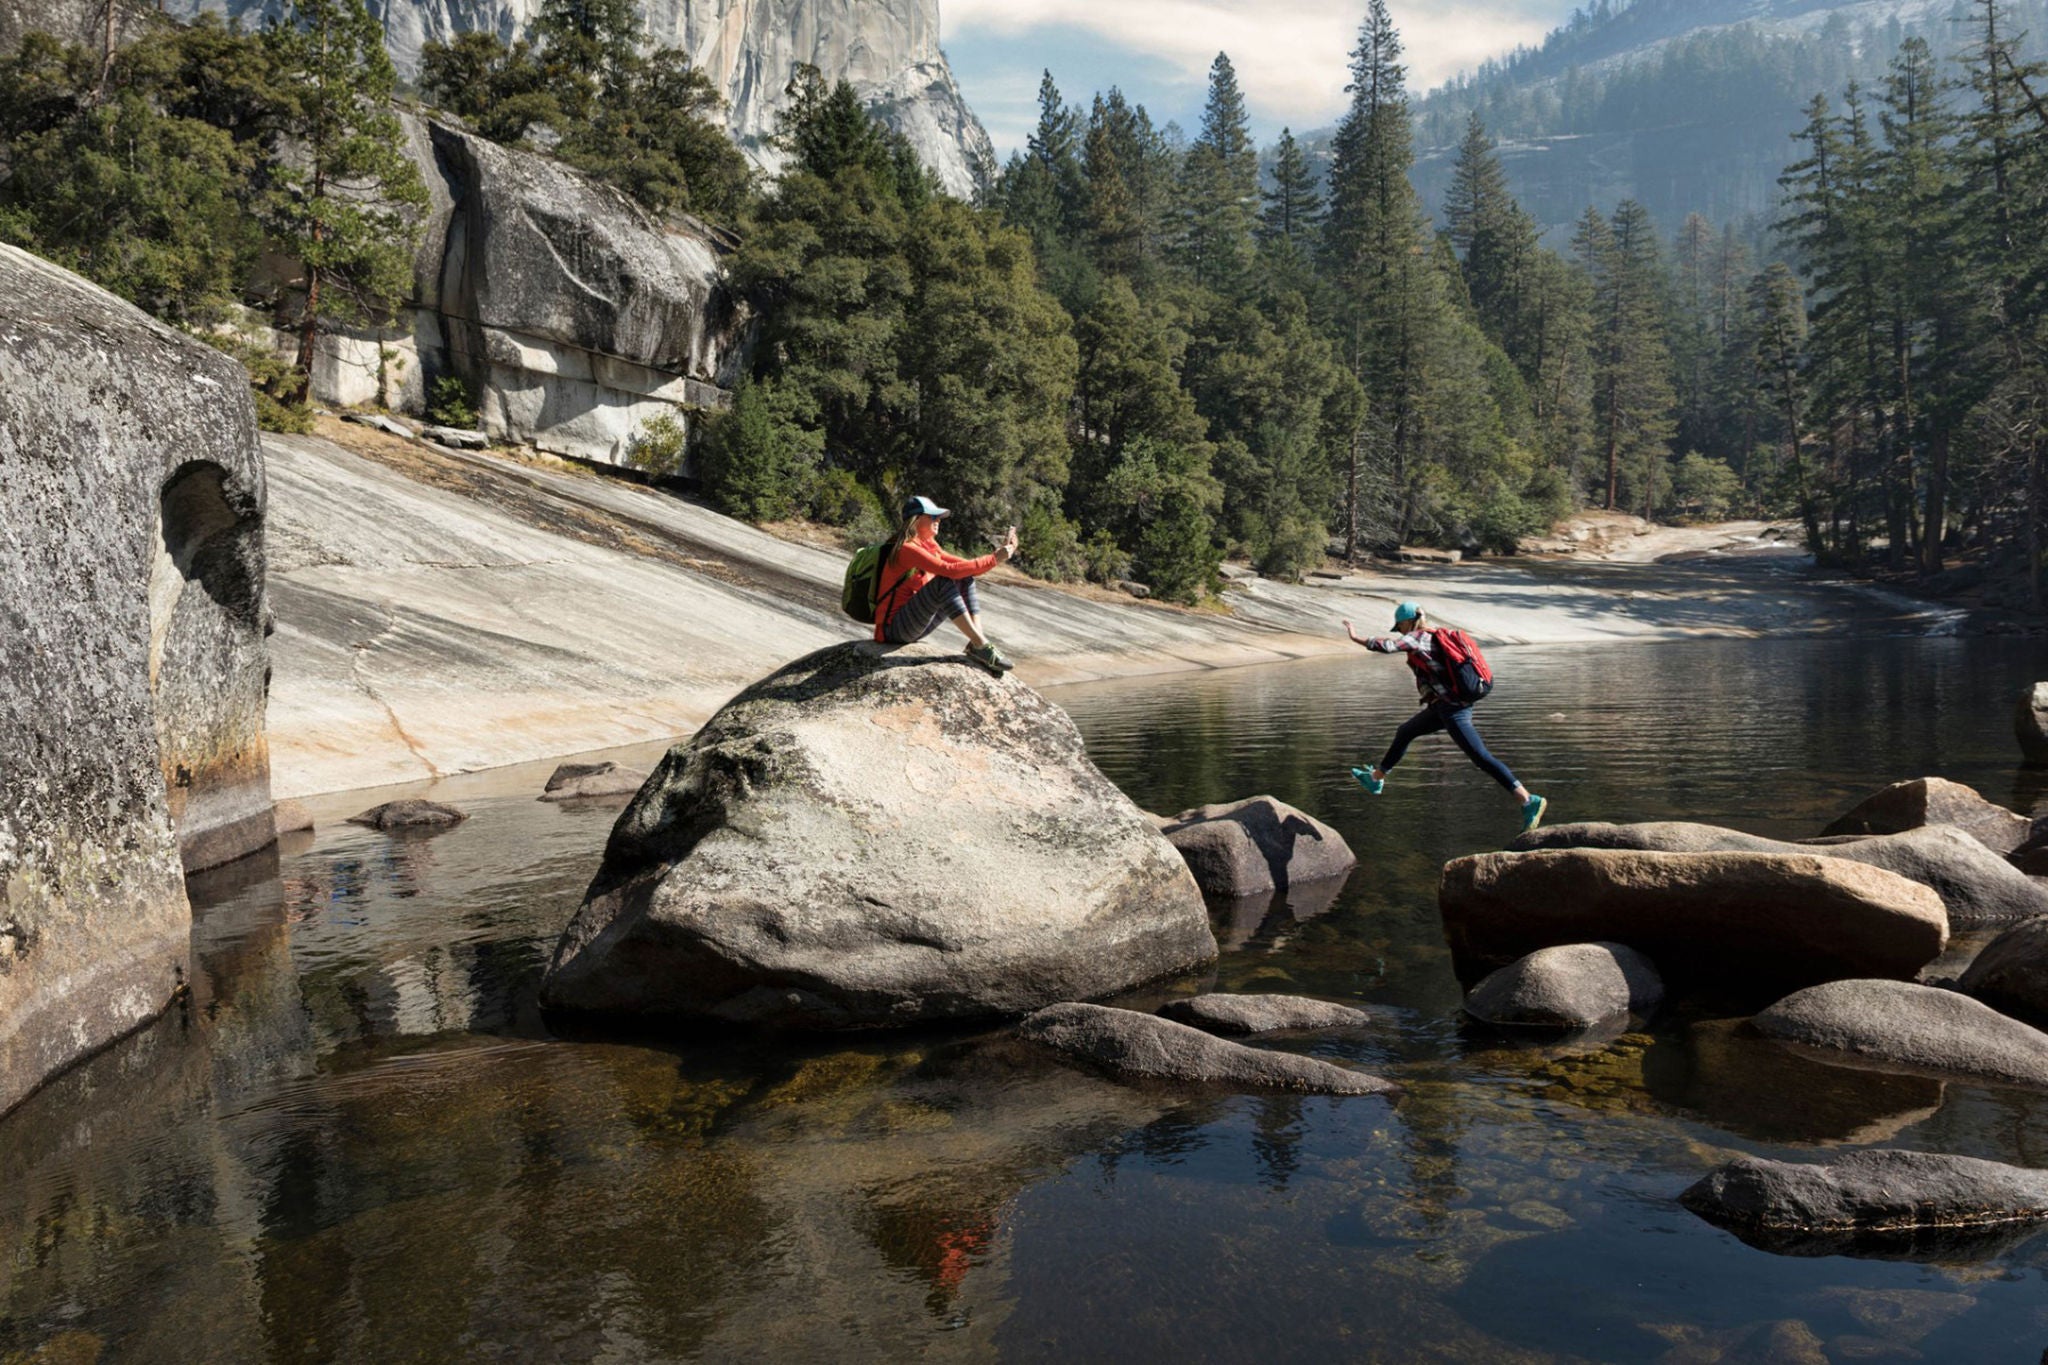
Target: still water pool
357 1140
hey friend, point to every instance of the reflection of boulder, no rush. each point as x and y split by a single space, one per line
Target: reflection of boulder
1573 985
1241 848
1744 918
1976 885
2011 974
875 837
2030 723
1894 1205
1144 1047
1935 801
132 665
1749 1085
1266 916
1910 1025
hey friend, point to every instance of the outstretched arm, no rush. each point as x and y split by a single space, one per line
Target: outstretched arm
1371 642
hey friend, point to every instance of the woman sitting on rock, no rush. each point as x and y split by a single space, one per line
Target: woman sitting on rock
921 585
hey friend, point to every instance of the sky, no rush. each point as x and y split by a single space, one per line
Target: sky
1290 55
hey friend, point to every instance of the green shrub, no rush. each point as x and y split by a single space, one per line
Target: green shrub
1049 545
451 405
1501 521
757 460
273 382
660 447
1297 545
839 499
1104 560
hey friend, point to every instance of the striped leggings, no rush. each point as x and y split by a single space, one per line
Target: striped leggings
941 599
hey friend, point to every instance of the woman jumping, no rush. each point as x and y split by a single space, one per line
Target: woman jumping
922 585
1440 711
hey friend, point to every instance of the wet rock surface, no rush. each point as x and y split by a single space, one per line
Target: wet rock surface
2011 973
576 781
133 672
876 836
1574 985
1977 886
1742 919
1239 1015
1243 848
1885 1203
1127 1044
401 815
1922 1027
1935 801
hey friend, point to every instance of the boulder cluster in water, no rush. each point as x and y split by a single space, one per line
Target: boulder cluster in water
1849 924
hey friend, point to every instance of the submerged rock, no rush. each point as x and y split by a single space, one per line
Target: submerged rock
2030 723
1911 1025
574 781
1935 801
133 669
877 837
1128 1044
1238 1015
1977 886
409 815
1574 985
1243 848
2011 974
1885 1203
1748 919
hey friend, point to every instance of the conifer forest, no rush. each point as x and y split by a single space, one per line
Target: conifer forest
1155 348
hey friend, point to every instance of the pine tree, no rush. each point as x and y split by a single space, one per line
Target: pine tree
1778 325
1632 393
1497 241
1389 306
1294 205
1220 187
343 199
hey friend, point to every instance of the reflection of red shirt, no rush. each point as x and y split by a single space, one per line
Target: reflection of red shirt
916 562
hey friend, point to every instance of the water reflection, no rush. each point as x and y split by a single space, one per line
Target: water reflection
358 1140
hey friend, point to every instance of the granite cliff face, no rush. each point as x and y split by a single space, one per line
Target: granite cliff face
888 49
572 315
133 671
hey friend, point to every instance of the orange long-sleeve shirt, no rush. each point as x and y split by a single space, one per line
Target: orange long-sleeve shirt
916 562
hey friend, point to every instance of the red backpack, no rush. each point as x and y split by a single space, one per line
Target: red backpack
1466 674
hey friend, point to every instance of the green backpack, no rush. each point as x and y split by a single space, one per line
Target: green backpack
859 597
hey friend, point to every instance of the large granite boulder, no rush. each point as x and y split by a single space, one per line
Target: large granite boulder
133 672
1145 1047
2030 723
2011 973
1935 801
1746 919
1923 1205
1922 1027
1574 985
874 837
1978 887
1260 844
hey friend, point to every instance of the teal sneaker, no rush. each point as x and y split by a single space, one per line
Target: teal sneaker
1375 785
1532 812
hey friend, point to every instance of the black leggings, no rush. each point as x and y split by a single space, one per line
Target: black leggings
1458 720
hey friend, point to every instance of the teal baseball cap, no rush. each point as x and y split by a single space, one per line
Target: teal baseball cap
924 507
1405 613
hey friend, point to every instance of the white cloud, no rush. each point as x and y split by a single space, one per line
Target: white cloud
1291 58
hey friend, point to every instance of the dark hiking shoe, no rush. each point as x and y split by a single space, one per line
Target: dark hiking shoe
1532 812
990 658
1375 785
